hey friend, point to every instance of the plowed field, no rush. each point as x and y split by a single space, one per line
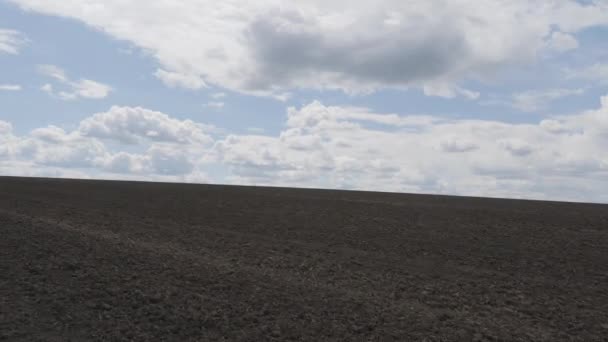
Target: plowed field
118 261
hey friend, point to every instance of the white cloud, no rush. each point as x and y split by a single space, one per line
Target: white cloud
319 116
171 149
554 126
53 71
215 104
271 47
175 79
448 91
168 161
456 144
125 163
53 146
87 89
561 42
10 87
11 41
517 147
47 88
335 147
5 128
560 157
135 124
535 100
82 88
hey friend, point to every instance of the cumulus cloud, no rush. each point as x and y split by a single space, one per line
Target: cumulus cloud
157 161
335 147
168 161
10 87
5 128
560 157
271 47
11 41
517 147
169 150
52 146
134 124
82 88
125 163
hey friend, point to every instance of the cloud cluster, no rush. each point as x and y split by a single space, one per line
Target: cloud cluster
82 88
271 47
133 124
340 147
124 142
560 157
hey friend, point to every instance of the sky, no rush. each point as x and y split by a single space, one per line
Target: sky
463 97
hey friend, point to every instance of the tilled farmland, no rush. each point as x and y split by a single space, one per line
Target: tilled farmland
129 261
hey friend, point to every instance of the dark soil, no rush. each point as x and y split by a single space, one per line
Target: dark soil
113 261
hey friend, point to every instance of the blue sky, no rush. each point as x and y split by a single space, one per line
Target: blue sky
502 99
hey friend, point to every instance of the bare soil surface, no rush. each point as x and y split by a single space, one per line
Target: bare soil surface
119 261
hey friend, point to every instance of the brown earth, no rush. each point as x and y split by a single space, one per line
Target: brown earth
113 261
